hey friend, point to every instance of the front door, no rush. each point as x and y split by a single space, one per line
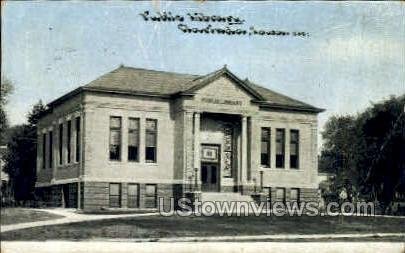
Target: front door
209 177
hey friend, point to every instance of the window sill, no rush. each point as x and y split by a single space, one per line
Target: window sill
143 163
151 164
280 169
115 162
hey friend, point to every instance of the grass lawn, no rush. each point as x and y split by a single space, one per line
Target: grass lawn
160 227
19 215
119 211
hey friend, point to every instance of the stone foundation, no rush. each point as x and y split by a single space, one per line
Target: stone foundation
306 195
94 196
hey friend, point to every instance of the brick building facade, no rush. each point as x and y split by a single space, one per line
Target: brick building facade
134 135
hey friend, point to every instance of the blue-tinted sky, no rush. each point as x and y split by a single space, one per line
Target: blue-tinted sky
355 54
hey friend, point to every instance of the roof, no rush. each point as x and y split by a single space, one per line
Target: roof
142 80
138 81
273 98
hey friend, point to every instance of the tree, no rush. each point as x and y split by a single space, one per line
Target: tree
5 91
20 159
336 156
366 151
383 126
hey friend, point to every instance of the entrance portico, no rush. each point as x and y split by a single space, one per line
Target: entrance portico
220 151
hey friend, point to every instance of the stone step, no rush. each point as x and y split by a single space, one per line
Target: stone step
224 197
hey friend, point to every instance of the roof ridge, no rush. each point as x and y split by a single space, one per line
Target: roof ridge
204 80
185 87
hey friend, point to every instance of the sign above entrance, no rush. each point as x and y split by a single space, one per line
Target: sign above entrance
219 101
209 153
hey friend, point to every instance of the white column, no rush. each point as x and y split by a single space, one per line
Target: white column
243 166
197 117
188 164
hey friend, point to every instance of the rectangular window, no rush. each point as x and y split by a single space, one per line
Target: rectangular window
133 139
43 151
265 147
294 149
115 138
295 195
78 138
61 143
151 141
151 196
280 195
115 195
133 195
68 140
50 149
280 148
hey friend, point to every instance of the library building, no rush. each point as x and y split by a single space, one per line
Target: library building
134 135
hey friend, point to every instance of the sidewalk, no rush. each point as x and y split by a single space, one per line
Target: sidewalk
253 247
70 216
250 238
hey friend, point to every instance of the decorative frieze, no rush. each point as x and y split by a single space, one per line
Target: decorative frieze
228 150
